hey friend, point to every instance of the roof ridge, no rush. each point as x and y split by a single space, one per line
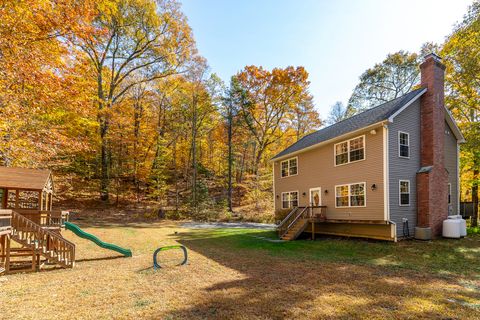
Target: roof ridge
358 114
391 104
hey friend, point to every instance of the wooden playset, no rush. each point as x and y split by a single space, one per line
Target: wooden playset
30 231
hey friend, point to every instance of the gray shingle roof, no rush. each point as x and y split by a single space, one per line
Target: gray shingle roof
361 120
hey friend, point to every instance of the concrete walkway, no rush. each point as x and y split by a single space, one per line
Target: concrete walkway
228 225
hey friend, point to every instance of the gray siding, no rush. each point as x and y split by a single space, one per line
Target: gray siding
451 158
404 169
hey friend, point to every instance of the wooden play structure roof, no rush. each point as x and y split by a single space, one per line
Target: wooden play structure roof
24 178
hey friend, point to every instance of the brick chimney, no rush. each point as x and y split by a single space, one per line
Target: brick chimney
432 178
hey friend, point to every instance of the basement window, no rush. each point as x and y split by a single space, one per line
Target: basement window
403 145
350 195
289 167
350 151
404 192
289 199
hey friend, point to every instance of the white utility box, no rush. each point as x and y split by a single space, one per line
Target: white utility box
454 227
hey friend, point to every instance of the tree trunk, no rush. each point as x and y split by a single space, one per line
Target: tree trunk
103 122
257 160
175 177
136 128
194 155
104 179
475 197
230 161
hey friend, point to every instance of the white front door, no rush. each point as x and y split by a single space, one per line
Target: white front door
315 197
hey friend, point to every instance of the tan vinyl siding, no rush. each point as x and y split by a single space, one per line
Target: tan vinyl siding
316 168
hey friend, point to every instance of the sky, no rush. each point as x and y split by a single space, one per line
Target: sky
336 40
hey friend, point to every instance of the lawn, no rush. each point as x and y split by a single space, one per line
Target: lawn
238 274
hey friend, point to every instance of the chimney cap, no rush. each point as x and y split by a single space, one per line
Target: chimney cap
434 56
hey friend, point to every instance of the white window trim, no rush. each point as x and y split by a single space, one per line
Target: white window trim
398 141
298 198
349 194
449 194
400 193
348 151
288 161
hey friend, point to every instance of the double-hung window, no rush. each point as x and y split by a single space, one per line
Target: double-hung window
404 192
341 153
403 144
350 151
289 167
289 199
350 195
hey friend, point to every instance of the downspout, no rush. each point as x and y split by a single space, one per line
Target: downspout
273 187
458 178
393 234
386 176
386 183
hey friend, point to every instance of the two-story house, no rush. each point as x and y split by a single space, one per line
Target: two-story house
387 173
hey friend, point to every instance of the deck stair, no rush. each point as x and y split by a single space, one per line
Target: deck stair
42 242
296 222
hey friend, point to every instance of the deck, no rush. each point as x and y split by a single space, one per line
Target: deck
313 220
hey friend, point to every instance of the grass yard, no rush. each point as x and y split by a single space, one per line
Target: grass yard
236 275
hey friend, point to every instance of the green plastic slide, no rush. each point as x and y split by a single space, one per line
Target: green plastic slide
85 235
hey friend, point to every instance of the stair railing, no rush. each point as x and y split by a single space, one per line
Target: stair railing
290 220
282 226
47 243
303 214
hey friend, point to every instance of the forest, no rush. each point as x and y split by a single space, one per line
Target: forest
114 98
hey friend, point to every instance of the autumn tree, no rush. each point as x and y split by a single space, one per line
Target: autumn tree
304 117
234 97
339 112
272 99
461 54
392 78
40 89
135 42
271 96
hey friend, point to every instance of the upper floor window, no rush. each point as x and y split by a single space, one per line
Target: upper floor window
403 144
289 167
350 151
350 195
404 189
289 199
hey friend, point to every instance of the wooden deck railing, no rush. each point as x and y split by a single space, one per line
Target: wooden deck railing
46 219
5 221
310 212
47 243
317 212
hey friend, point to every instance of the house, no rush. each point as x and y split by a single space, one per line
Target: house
387 173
